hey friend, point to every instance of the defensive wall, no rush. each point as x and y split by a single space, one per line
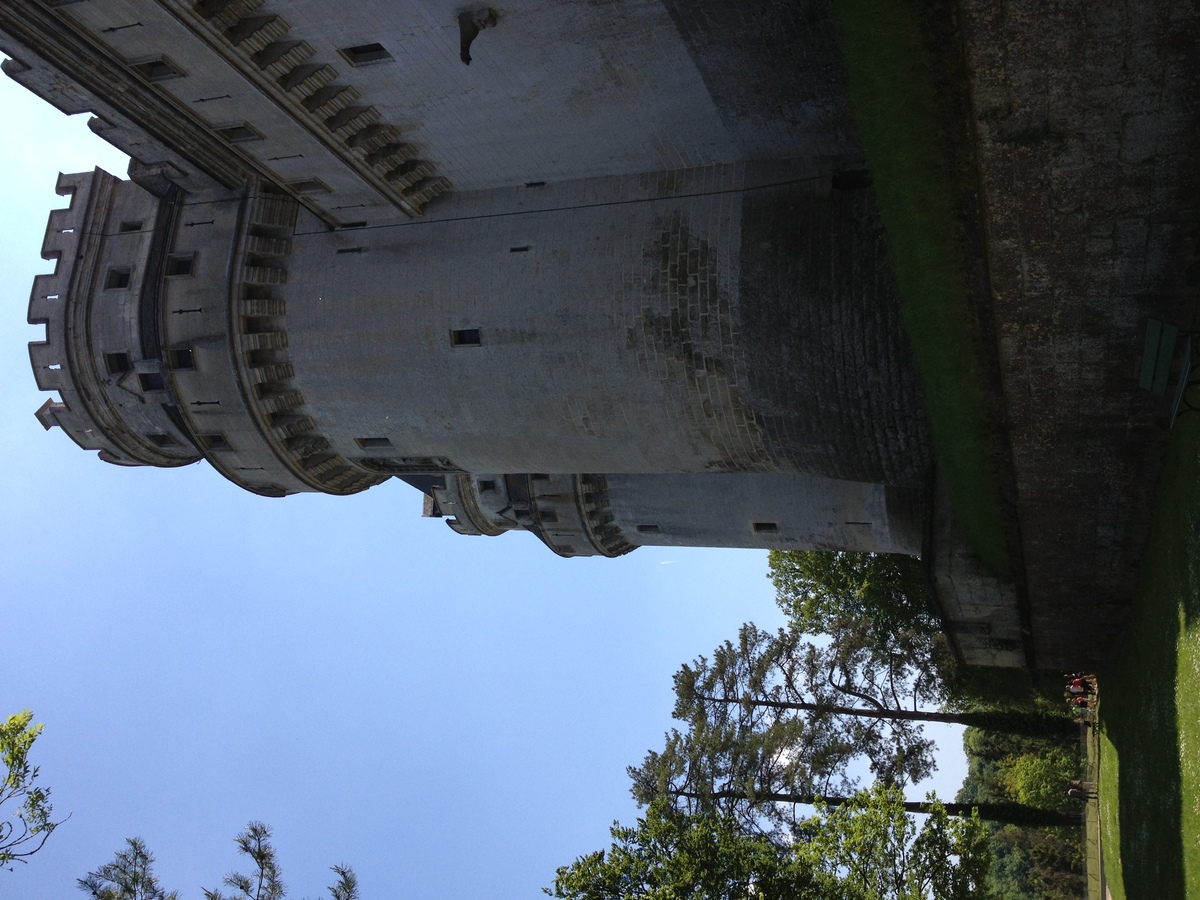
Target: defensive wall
1087 124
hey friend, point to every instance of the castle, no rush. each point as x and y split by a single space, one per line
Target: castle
604 272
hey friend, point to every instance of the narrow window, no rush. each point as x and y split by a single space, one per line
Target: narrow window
130 226
365 54
548 515
539 476
181 358
464 337
117 278
349 250
117 363
765 527
647 529
520 248
373 443
157 70
486 484
180 264
239 134
162 440
151 381
309 186
213 442
535 184
350 225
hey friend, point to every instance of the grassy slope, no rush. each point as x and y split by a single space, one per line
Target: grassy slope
1150 707
909 108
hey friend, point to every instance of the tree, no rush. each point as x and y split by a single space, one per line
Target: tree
1041 779
875 846
783 672
24 832
130 875
869 848
671 855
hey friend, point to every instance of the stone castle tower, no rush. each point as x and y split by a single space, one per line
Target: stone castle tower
614 282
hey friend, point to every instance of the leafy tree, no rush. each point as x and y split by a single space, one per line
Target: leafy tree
821 590
869 848
130 875
879 852
1040 779
24 832
672 855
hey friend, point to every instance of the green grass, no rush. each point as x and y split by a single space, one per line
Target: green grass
1150 703
907 90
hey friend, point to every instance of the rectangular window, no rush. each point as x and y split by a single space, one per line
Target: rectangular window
647 529
213 442
163 440
309 186
118 278
117 363
181 358
159 69
464 337
539 476
365 54
373 443
180 264
765 527
239 134
486 484
130 226
151 381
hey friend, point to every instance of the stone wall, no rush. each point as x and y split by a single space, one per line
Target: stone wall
1089 158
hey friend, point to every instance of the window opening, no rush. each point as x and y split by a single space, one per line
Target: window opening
239 134
765 527
647 529
180 264
162 440
372 443
118 278
465 337
181 358
157 70
309 186
117 363
213 442
487 484
365 54
151 381
130 226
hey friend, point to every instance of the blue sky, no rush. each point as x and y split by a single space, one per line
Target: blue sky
451 716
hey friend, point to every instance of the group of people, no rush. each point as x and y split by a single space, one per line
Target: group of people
1081 695
1081 790
1081 691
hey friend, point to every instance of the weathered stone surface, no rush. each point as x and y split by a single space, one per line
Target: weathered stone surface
1089 160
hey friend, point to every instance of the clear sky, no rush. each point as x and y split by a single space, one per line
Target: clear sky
451 716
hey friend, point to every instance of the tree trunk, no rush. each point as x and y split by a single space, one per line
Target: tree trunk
1011 723
1011 813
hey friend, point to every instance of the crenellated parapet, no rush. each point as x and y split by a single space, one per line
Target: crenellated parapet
113 396
258 326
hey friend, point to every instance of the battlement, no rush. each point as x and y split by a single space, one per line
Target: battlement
102 404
